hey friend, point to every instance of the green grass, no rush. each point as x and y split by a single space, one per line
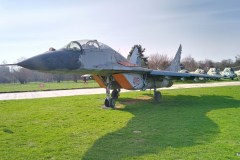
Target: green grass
200 123
34 86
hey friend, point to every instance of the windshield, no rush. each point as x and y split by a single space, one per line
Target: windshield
228 70
86 44
73 46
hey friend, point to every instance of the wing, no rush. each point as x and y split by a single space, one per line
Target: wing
182 76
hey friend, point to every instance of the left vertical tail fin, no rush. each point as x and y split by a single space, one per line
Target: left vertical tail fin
133 58
174 67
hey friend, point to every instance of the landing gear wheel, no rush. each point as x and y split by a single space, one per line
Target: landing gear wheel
106 102
112 102
114 94
158 96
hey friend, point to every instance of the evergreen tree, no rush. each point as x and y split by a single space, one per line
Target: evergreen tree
144 60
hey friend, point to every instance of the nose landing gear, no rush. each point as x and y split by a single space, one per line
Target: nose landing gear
110 102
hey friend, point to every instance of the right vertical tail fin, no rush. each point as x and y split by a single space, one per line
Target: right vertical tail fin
174 67
133 58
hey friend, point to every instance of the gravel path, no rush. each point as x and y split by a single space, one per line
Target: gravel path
72 92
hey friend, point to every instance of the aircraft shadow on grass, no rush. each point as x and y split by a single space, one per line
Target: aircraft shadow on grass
178 121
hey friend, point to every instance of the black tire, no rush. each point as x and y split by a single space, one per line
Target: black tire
158 96
112 102
114 94
106 102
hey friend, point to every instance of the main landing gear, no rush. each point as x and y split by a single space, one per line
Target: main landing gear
110 102
157 95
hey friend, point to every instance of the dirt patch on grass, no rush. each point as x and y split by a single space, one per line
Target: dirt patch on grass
134 101
145 98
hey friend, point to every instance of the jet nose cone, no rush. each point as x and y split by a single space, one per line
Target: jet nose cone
53 61
33 64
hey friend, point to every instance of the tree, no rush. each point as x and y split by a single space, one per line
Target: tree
225 63
75 77
5 75
22 74
190 63
201 64
58 77
159 61
4 62
208 64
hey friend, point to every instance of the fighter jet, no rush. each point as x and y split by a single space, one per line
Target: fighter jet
229 73
87 77
108 67
200 71
214 72
238 73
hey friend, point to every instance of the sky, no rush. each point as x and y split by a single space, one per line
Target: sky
207 29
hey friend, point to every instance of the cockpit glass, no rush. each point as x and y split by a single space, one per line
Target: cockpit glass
86 44
72 46
93 44
226 69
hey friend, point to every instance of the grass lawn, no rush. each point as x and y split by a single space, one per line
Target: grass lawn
34 86
199 123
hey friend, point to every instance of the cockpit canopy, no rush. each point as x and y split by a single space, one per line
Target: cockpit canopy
86 44
228 69
214 70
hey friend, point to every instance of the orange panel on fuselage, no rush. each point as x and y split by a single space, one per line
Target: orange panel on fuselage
99 82
122 80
